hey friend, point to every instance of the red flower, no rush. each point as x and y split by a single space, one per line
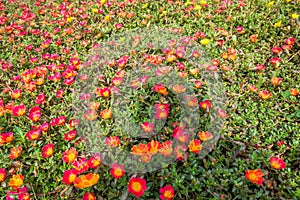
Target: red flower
255 176
69 176
274 61
58 121
44 127
89 196
180 134
19 110
276 50
117 171
147 127
70 155
137 186
103 92
40 99
74 122
206 105
59 94
195 146
112 141
160 88
95 161
81 165
260 67
16 94
167 192
290 41
2 174
162 111
6 138
48 150
33 134
35 114
70 135
277 163
198 84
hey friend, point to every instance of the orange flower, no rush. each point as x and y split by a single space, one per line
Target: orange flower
167 192
85 181
277 163
276 81
117 171
255 176
160 88
90 115
69 156
252 88
195 146
16 181
191 101
69 176
153 147
146 157
15 152
48 150
112 141
6 138
253 38
19 110
265 94
106 114
2 174
294 92
205 135
137 186
139 149
166 148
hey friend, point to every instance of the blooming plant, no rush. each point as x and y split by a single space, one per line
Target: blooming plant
161 99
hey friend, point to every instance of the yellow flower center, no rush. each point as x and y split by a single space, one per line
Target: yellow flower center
136 186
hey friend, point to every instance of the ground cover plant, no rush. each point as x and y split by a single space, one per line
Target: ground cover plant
149 99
